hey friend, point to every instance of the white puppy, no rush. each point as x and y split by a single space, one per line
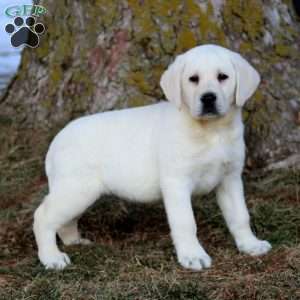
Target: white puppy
190 145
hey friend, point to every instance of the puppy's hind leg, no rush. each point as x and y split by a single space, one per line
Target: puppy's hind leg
67 200
70 234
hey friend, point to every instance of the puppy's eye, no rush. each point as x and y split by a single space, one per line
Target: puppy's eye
194 79
222 77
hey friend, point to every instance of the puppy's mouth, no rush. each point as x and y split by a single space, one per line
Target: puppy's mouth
209 113
209 110
208 116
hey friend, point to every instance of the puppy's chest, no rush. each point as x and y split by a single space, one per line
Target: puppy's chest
209 166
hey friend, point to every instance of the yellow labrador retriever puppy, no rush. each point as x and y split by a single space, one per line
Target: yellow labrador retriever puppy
170 150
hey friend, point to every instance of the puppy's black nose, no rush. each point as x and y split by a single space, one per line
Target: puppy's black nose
209 103
209 99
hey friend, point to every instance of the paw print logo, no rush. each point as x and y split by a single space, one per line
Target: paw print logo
25 33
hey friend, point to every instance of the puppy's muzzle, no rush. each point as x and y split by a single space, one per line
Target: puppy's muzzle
209 104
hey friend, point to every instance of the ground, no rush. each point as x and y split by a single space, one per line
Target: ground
132 256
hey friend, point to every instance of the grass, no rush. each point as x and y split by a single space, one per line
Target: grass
132 256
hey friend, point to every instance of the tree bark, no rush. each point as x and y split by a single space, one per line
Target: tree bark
101 55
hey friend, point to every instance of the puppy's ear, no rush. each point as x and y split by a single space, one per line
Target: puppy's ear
247 79
170 81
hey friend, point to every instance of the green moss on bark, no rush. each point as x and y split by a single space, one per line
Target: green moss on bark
245 17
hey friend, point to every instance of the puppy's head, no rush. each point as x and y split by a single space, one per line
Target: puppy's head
209 80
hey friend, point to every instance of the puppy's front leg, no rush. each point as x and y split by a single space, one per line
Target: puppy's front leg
230 196
177 200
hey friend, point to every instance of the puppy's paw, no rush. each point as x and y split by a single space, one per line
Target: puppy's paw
196 263
255 247
57 260
194 258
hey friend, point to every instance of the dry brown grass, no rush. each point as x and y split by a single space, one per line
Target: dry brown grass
132 256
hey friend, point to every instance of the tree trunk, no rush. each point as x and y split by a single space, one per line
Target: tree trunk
101 55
